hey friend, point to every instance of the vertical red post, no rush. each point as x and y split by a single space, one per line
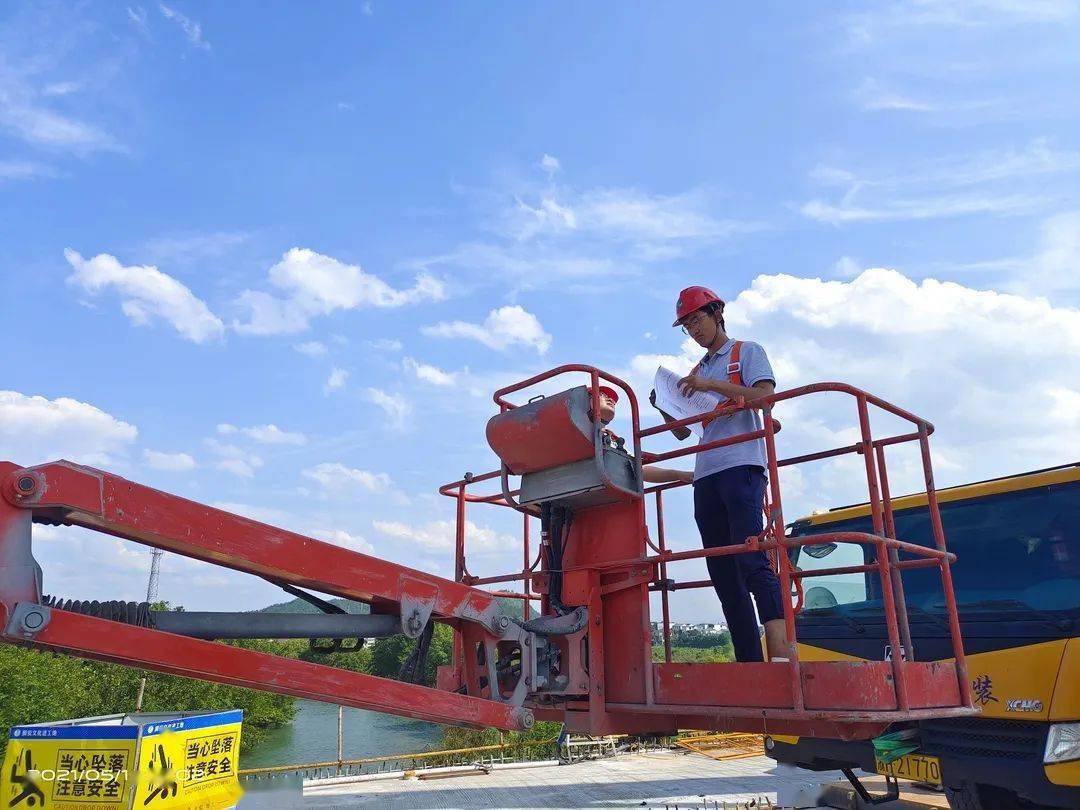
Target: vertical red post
459 537
665 608
526 584
460 659
946 572
882 554
775 526
894 557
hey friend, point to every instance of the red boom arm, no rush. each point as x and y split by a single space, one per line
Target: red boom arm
66 493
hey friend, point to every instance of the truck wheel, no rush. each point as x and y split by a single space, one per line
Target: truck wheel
983 797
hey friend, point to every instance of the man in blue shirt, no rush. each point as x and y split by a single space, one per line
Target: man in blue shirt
729 482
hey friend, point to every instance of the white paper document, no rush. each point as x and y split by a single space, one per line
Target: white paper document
673 402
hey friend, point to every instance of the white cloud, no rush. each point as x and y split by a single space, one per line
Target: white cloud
955 355
504 327
61 88
34 430
430 374
137 15
533 265
41 52
314 284
643 366
544 216
192 30
846 267
384 345
995 181
550 164
335 477
23 115
1055 269
234 460
619 215
226 429
635 215
171 462
890 20
267 315
1049 270
272 434
545 233
916 209
875 97
1036 159
340 537
241 468
145 294
23 170
961 357
438 536
1065 406
323 284
336 380
311 348
395 406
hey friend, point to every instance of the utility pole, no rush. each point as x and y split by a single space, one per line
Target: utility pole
340 724
155 575
151 597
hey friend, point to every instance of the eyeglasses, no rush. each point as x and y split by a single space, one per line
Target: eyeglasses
693 321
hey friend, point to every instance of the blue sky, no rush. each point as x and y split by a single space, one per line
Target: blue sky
278 257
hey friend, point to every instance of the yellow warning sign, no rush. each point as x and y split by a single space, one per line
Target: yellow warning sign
69 768
124 761
189 761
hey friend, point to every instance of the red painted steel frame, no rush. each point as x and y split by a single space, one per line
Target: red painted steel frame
842 699
63 492
607 567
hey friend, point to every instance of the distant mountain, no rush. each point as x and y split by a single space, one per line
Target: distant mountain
300 606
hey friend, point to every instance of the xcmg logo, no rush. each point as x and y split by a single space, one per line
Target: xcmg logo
1022 705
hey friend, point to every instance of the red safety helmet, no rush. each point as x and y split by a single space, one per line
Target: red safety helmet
692 299
608 392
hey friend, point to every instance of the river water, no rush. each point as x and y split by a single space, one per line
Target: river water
312 736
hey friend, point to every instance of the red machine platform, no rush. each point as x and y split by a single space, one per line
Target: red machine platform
584 658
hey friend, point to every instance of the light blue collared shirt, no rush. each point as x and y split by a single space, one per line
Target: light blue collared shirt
754 368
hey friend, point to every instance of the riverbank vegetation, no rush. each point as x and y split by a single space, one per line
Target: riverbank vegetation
41 687
38 687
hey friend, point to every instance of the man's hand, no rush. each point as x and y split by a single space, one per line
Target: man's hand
680 432
694 382
662 475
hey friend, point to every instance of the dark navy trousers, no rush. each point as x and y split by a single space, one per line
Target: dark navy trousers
727 508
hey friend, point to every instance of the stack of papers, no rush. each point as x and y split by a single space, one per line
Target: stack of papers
673 402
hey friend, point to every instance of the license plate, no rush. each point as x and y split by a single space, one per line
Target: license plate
916 767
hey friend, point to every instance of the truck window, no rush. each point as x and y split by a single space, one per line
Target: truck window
1017 551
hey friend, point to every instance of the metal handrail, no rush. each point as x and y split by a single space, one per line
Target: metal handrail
419 755
883 536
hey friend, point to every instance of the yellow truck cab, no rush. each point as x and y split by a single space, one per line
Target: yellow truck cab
1017 585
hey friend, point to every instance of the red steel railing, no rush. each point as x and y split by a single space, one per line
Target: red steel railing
883 538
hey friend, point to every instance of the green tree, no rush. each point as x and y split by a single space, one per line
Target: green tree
696 655
538 742
39 687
